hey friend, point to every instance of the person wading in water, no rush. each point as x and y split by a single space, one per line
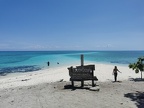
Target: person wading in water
48 63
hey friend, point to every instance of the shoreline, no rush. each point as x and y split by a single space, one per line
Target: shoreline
102 71
46 88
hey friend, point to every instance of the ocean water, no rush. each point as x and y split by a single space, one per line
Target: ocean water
26 61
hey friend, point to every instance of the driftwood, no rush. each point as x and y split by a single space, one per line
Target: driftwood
82 73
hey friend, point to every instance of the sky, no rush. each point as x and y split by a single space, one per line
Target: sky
43 25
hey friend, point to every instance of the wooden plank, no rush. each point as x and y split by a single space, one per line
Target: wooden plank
82 73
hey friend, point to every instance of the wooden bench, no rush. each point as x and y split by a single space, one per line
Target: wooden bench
82 73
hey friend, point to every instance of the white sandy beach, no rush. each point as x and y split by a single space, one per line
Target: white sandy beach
45 89
102 71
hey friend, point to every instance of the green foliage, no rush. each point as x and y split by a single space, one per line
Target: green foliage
137 71
138 66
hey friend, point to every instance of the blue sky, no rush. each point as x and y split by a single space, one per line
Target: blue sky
71 25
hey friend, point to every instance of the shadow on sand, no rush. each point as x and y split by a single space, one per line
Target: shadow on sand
138 97
86 87
116 81
74 87
136 79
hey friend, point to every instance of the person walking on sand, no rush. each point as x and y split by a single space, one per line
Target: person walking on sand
115 73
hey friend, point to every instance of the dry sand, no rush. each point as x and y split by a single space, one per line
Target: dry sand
50 88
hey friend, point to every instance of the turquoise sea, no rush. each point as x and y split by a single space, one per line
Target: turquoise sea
25 61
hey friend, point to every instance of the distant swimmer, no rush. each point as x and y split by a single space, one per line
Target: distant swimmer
48 63
57 62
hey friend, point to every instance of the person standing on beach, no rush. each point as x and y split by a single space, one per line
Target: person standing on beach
115 73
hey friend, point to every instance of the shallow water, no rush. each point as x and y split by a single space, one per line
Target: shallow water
25 61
